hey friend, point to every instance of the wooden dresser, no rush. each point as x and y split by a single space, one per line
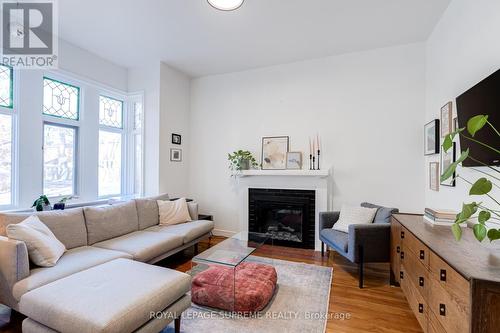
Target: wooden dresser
450 286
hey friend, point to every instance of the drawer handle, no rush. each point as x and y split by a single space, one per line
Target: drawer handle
421 281
398 249
442 309
442 275
401 275
422 254
420 308
402 254
402 234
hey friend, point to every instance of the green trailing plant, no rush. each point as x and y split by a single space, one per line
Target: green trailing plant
64 199
241 160
40 203
487 215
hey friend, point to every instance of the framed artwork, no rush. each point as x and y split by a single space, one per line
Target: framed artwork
176 155
446 160
431 137
274 152
446 119
434 176
176 139
294 160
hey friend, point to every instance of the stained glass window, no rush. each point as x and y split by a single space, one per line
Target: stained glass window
58 160
110 112
6 86
110 163
5 159
60 99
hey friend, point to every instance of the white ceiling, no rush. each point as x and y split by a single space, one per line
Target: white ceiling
199 40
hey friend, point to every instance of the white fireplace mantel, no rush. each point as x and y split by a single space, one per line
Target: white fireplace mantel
300 173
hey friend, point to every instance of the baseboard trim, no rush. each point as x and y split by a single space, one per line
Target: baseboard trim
223 233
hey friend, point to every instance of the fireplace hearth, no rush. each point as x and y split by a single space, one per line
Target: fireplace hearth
287 215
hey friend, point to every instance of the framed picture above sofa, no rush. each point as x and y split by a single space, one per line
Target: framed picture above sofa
446 119
431 137
274 152
176 155
434 176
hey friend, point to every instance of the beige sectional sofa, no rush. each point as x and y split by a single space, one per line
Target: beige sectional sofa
93 236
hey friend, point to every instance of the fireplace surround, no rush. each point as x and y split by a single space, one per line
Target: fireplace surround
287 215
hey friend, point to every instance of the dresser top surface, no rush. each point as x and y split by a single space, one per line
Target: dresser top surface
468 257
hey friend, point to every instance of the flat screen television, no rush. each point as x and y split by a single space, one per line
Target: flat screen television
483 98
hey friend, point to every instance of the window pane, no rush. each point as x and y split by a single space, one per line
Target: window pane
110 112
58 160
60 99
138 164
5 159
137 116
5 86
110 163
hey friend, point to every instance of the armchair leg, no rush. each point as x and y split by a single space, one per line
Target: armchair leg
196 249
361 263
322 249
177 325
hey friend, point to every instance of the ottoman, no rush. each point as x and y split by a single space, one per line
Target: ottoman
247 288
117 297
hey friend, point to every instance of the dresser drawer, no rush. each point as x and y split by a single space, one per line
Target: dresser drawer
434 325
416 272
415 300
411 243
450 296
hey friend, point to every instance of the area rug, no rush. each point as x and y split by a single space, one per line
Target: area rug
300 304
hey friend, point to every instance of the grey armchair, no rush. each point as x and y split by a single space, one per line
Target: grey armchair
364 242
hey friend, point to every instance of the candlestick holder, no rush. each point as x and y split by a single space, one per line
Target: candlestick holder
310 161
319 153
314 163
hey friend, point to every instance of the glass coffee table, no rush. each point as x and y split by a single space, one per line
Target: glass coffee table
221 273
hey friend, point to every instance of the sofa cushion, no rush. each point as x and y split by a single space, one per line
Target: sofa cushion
147 210
143 245
67 225
44 249
334 237
115 297
354 215
106 222
173 212
383 213
73 261
189 231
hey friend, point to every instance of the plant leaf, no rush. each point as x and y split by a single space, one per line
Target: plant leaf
462 156
481 187
447 143
467 211
479 232
476 123
484 216
452 168
457 231
493 234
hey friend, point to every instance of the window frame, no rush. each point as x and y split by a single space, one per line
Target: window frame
132 133
12 111
55 120
124 183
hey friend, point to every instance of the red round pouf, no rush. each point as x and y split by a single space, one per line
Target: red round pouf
254 285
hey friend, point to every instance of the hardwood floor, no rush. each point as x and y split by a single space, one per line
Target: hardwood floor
376 308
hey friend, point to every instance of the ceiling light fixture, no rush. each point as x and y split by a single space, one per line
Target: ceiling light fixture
226 5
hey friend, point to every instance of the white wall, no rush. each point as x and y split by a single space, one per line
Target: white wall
174 118
463 49
366 106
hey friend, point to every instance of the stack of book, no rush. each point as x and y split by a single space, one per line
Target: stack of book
439 216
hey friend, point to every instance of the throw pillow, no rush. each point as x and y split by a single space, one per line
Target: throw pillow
44 249
354 215
173 212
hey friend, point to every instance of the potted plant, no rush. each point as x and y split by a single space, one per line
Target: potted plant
241 160
42 203
488 213
61 204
